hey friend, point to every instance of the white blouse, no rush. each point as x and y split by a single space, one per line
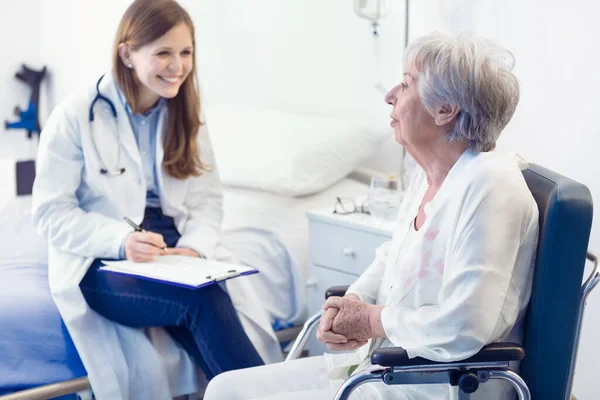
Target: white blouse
462 281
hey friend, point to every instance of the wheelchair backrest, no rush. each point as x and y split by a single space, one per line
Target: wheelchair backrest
565 209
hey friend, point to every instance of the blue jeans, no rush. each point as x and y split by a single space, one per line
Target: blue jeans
204 321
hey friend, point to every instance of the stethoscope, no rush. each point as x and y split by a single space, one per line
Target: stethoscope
116 171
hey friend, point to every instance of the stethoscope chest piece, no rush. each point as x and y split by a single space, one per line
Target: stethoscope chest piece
115 172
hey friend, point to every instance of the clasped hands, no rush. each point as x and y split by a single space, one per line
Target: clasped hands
348 323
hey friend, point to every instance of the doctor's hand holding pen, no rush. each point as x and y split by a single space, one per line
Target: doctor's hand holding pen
143 246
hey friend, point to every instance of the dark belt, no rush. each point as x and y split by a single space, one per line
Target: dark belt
153 212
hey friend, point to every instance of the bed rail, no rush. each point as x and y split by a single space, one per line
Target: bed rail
50 391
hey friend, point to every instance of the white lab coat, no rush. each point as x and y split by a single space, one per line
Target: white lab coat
462 281
80 212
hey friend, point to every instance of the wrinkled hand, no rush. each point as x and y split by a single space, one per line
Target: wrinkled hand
182 252
324 333
144 246
355 319
333 340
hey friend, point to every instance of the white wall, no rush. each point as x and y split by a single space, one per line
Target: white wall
308 56
72 38
556 124
19 24
20 28
305 56
76 42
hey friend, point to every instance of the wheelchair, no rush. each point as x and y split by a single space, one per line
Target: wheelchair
552 328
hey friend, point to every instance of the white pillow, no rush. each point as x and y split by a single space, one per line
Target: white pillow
286 153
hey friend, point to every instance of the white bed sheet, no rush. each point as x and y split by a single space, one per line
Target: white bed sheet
20 244
270 233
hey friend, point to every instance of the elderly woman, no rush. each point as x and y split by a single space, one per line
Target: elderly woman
457 273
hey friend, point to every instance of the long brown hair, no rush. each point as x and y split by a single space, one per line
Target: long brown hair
144 22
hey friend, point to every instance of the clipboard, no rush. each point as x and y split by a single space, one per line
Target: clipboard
184 271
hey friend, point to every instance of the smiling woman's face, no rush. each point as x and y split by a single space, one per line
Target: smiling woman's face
163 65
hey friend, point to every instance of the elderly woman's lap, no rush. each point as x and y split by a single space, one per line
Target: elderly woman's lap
305 378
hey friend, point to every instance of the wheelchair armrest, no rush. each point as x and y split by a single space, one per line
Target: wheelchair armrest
336 291
495 352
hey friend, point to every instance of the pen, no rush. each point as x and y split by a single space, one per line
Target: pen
138 228
135 226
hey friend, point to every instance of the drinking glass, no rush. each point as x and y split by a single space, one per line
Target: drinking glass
384 198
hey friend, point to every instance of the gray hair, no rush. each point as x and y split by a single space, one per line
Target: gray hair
473 74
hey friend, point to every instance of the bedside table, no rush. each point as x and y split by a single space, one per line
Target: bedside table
340 248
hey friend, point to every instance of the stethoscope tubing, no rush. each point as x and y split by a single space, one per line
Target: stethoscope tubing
100 97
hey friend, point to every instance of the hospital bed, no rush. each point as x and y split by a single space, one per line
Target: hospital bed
264 230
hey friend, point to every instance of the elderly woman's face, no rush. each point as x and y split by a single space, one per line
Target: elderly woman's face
411 122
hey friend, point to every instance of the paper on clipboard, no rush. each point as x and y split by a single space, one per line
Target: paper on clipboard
179 270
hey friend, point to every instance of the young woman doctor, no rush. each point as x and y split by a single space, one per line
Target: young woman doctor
134 146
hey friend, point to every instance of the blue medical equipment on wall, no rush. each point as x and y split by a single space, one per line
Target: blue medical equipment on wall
29 118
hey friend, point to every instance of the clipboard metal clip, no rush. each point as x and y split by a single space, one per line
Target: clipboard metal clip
229 274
